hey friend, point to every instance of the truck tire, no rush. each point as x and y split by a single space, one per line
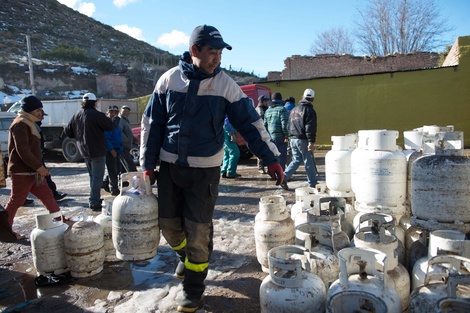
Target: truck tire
70 150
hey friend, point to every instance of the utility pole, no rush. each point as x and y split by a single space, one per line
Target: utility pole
30 62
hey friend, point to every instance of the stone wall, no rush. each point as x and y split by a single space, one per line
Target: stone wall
319 66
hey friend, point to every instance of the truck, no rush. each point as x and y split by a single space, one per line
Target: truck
59 113
253 91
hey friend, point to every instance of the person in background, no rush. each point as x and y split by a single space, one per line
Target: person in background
25 161
302 135
289 104
275 121
87 126
128 139
261 109
182 126
231 152
113 151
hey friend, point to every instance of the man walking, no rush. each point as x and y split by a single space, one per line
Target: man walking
87 126
182 126
275 121
302 128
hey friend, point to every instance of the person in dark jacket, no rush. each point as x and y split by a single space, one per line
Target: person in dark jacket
302 129
113 152
261 109
128 139
182 127
275 121
87 126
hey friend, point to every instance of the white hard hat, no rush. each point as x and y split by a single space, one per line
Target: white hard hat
309 93
89 96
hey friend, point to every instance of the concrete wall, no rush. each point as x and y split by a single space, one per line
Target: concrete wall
394 100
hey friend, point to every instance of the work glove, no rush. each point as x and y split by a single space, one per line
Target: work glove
151 175
276 172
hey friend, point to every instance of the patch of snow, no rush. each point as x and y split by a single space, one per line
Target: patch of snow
50 70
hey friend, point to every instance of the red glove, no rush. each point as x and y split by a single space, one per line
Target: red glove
150 175
276 172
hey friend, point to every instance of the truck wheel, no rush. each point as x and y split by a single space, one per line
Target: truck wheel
70 150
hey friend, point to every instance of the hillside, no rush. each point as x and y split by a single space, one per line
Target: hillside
70 49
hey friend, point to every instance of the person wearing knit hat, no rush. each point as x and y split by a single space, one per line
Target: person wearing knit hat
275 121
25 161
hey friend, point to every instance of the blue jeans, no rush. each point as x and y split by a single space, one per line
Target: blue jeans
281 145
95 168
301 154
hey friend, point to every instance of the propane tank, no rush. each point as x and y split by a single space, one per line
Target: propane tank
273 228
440 197
378 173
413 150
288 288
338 165
105 220
306 198
366 222
416 245
441 242
135 230
380 239
437 287
47 244
362 283
331 209
84 248
320 260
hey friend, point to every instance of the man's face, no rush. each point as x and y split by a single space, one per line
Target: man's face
125 112
112 113
37 113
207 59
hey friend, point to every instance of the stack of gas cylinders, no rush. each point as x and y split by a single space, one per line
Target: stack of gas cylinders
387 232
127 229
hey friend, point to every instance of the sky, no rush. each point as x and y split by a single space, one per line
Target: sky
263 33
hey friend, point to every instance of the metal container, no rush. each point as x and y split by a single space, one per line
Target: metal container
105 220
440 290
378 173
440 194
289 288
84 249
416 245
320 258
135 230
362 284
306 198
338 165
441 242
47 244
273 228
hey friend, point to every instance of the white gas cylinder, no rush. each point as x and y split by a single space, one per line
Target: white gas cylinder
289 288
440 197
338 165
306 198
273 228
380 239
105 220
320 259
449 286
47 244
84 248
135 230
441 242
362 282
378 173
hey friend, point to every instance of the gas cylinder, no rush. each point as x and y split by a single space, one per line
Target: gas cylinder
378 173
369 221
441 242
320 259
306 198
380 239
273 228
416 245
135 230
105 220
362 284
47 244
288 288
338 165
448 286
413 150
331 209
440 197
84 248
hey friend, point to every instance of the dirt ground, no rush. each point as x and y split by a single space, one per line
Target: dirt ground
234 276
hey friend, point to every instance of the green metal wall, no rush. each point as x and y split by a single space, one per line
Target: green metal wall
394 101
